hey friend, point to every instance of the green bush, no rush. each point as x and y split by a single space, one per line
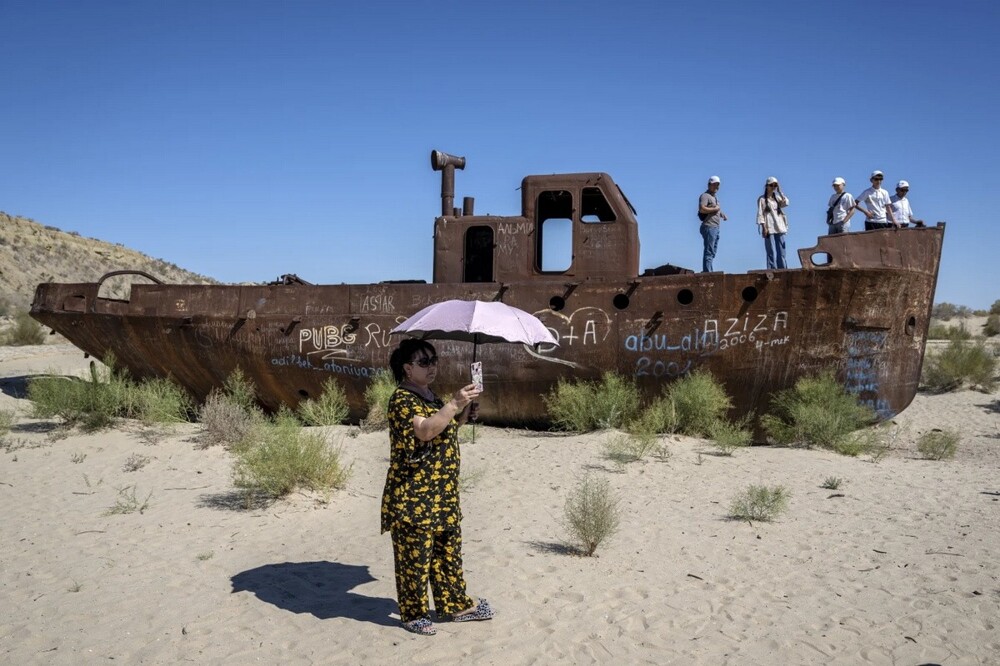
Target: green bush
6 421
240 390
624 448
284 457
727 436
700 402
995 308
160 401
582 406
992 326
592 513
377 396
938 444
26 331
92 404
944 311
832 483
942 332
759 503
330 408
658 417
816 412
960 364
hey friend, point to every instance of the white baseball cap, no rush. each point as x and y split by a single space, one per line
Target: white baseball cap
875 173
839 181
714 179
771 179
901 184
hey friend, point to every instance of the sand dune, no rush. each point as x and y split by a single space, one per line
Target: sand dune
898 566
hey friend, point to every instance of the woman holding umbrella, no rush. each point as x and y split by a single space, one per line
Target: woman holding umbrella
420 503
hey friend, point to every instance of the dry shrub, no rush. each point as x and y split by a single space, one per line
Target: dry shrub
26 331
760 503
283 457
817 412
226 422
377 398
959 365
330 408
592 513
583 406
700 402
938 444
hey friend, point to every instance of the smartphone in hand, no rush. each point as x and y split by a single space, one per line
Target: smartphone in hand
477 375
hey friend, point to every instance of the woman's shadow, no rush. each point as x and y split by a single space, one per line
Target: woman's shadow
320 588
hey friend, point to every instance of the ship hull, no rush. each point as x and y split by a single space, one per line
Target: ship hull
865 315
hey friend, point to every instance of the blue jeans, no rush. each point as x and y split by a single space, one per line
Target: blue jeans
711 236
774 246
833 229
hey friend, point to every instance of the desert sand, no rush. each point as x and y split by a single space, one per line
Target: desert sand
900 565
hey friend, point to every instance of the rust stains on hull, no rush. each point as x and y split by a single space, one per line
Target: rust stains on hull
861 304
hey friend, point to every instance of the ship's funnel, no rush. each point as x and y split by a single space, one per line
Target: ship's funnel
446 164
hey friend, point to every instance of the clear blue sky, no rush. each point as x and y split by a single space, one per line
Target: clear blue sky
245 139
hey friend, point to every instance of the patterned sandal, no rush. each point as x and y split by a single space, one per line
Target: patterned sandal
483 611
421 626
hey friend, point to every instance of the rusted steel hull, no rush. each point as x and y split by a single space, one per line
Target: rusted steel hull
865 314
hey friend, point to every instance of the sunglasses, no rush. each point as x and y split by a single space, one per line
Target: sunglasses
877 178
772 184
424 361
903 189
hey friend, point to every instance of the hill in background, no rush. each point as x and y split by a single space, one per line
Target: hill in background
31 253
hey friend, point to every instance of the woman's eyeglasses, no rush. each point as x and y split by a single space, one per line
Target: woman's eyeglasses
425 361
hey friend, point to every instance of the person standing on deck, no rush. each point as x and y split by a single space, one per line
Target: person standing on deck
874 203
711 216
900 206
772 222
841 208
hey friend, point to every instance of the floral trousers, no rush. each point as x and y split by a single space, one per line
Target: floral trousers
423 557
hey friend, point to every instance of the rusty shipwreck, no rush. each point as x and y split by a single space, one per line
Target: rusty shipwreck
861 304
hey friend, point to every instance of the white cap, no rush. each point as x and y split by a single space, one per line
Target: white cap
901 184
839 181
714 179
875 173
771 179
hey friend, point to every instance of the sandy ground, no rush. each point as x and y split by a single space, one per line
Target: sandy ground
897 566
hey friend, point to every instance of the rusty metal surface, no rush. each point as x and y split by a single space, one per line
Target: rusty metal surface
864 312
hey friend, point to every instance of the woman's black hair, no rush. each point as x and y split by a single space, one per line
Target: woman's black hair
404 352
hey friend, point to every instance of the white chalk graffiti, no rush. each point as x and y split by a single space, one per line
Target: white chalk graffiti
326 340
378 301
703 340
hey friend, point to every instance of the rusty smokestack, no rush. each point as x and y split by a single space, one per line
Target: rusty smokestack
468 206
446 164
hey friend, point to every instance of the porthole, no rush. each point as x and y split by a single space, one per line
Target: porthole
750 294
911 325
821 259
620 301
685 297
303 393
557 303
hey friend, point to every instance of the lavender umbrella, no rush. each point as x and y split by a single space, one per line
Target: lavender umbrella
476 322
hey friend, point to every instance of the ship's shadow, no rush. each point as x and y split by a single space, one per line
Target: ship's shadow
322 589
15 387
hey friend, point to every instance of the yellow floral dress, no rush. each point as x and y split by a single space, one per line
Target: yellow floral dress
421 486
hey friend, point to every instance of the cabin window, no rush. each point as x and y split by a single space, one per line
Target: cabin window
554 249
594 208
479 254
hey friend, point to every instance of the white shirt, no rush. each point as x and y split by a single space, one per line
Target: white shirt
874 201
843 206
901 211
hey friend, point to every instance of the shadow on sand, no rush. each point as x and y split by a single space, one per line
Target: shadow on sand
322 589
